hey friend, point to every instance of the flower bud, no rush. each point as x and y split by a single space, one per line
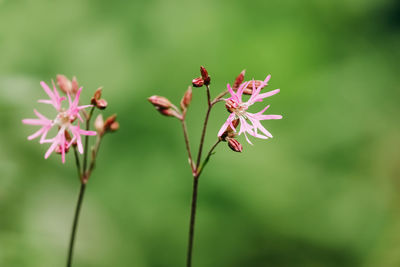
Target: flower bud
99 124
75 85
110 120
64 84
186 99
97 101
169 112
235 145
198 82
160 102
231 105
239 80
101 104
114 126
97 94
249 88
204 75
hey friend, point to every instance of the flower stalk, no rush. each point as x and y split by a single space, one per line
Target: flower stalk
69 134
227 133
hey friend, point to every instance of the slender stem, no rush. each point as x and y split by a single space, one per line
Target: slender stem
87 141
75 224
218 98
185 134
94 156
201 167
78 163
192 221
198 169
203 134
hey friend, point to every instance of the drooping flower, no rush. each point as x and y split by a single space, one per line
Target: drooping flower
63 121
249 122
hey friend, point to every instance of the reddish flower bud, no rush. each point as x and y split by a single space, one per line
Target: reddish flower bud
239 80
114 126
186 99
75 85
204 75
64 84
169 112
198 82
160 102
110 120
97 94
249 88
231 106
101 104
235 145
96 101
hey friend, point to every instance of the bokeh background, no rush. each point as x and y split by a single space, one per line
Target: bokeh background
325 191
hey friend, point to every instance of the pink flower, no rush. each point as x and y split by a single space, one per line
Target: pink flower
63 121
249 122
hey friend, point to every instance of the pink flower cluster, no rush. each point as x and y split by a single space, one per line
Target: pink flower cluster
249 122
63 122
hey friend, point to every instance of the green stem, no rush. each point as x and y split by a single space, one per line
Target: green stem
75 224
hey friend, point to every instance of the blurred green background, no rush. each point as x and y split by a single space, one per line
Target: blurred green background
325 191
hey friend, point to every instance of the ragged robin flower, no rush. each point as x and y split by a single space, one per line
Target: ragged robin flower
66 121
249 122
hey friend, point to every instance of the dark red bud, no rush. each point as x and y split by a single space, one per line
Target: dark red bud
239 80
160 102
230 106
101 104
97 94
249 88
198 82
110 120
204 75
187 98
235 145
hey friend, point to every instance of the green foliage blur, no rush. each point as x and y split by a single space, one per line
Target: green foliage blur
325 191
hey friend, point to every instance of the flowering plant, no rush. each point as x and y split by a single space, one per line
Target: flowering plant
67 125
250 124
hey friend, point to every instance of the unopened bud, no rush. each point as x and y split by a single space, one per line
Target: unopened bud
204 75
231 105
187 98
239 80
198 82
114 126
64 84
99 124
235 145
97 101
160 102
169 112
75 85
101 104
97 94
249 88
110 120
